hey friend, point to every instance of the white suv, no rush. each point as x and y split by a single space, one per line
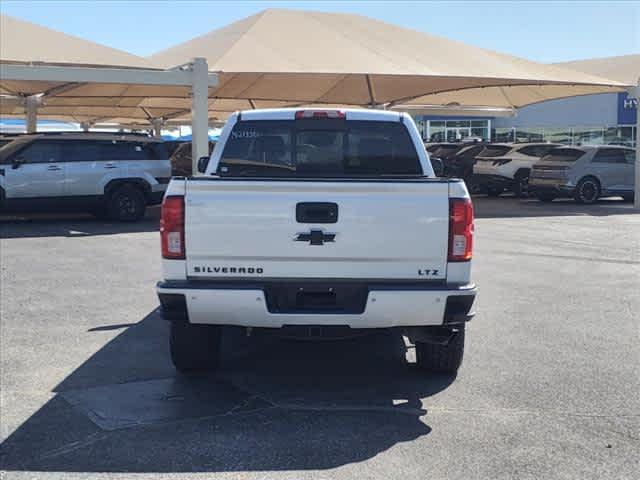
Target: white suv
504 167
110 175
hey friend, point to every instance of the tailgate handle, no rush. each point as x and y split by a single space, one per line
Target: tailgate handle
317 212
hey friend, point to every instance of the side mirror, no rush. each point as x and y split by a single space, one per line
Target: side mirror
16 162
438 166
203 162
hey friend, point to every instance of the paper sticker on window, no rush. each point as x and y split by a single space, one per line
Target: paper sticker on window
245 134
138 148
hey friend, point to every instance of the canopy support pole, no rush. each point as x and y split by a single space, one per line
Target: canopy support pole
85 126
635 93
636 201
199 112
157 127
31 107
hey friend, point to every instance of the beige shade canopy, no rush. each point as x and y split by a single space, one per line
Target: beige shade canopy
24 43
304 56
282 58
624 68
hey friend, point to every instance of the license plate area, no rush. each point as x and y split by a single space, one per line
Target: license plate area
316 297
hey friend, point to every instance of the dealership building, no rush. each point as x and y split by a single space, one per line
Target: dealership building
591 119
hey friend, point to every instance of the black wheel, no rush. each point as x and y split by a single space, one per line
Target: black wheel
546 196
628 197
126 204
441 358
194 348
521 185
494 192
587 190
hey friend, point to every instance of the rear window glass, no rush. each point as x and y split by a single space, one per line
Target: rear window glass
494 151
563 155
609 155
318 148
470 152
536 150
445 150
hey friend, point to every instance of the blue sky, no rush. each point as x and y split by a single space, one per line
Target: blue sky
544 31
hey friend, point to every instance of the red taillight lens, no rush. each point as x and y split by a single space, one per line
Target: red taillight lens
172 227
305 114
460 229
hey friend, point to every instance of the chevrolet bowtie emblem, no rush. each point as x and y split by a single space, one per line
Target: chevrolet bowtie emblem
315 237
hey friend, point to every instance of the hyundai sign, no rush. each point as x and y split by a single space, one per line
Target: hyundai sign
627 109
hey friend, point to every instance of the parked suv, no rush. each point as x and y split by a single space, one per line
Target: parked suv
460 165
504 167
584 173
110 175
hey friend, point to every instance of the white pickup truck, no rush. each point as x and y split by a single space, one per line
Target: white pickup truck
318 223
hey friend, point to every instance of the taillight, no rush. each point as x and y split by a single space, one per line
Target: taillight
460 229
305 114
172 227
504 161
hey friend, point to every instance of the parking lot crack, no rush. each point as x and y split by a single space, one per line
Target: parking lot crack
73 446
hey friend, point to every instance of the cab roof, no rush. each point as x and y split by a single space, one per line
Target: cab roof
350 113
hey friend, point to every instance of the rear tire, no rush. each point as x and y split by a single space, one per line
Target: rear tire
521 185
194 348
587 191
441 358
126 204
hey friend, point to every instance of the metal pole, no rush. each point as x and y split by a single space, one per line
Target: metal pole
85 126
199 112
31 107
636 190
157 127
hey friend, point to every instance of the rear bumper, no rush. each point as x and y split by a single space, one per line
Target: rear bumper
557 187
384 306
492 181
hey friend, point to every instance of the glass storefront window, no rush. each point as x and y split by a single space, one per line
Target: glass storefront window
503 135
557 135
480 132
588 136
458 123
457 130
529 135
620 136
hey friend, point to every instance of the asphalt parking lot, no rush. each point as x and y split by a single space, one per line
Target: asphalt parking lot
549 388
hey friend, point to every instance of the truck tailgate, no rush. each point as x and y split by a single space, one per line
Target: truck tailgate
384 229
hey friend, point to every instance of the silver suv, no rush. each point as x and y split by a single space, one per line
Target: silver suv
585 173
109 175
